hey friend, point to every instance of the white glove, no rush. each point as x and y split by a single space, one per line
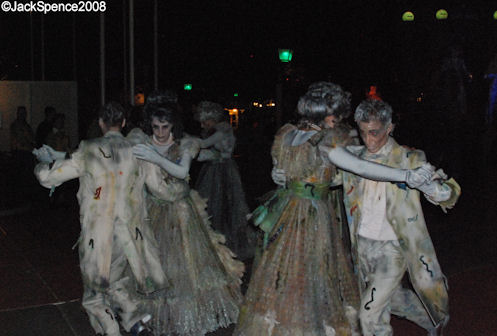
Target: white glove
436 191
42 155
420 176
56 155
147 153
278 176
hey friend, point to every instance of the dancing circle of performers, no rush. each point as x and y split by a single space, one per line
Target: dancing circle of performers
341 228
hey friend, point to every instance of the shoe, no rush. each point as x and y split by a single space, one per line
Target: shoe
140 329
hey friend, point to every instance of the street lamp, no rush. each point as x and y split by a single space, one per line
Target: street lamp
285 56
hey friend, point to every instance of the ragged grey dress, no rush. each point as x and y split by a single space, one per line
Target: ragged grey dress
303 283
219 182
204 275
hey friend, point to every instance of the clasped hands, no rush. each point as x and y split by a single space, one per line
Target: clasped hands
47 154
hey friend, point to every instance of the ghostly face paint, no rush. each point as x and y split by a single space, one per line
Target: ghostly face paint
330 121
162 131
374 134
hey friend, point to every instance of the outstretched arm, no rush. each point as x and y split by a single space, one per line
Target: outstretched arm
148 153
52 173
345 160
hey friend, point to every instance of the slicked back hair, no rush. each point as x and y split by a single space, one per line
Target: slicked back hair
112 114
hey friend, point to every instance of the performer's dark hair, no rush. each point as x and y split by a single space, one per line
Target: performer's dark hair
160 97
166 112
112 114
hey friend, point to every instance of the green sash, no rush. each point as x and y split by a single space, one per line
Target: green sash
267 215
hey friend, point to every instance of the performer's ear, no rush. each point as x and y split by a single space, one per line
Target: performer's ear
390 129
101 124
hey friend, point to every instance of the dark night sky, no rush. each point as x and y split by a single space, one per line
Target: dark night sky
210 43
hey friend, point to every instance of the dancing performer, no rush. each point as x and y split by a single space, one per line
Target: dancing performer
388 232
304 283
114 231
219 181
204 275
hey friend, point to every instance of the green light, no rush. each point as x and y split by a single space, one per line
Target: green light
187 87
495 15
408 16
235 94
442 14
285 55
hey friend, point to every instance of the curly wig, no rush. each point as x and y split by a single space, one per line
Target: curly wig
208 110
323 99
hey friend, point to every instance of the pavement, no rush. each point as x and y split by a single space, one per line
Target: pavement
40 283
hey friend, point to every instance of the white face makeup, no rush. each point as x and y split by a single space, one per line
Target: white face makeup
162 131
374 134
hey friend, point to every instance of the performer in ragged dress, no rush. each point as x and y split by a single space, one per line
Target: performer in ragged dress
304 283
204 275
219 181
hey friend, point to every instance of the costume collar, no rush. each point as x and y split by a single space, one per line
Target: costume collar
383 154
113 133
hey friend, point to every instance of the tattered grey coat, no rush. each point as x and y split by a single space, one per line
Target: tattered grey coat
405 214
111 199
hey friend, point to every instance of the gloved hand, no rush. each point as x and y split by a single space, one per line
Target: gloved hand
439 175
278 176
436 191
147 153
42 155
420 176
56 155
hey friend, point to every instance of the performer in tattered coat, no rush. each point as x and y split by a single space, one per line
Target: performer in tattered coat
389 234
114 231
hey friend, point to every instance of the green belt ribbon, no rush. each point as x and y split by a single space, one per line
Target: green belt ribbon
267 215
304 189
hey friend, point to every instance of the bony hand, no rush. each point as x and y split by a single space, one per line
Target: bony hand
419 176
56 155
147 153
42 155
278 176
